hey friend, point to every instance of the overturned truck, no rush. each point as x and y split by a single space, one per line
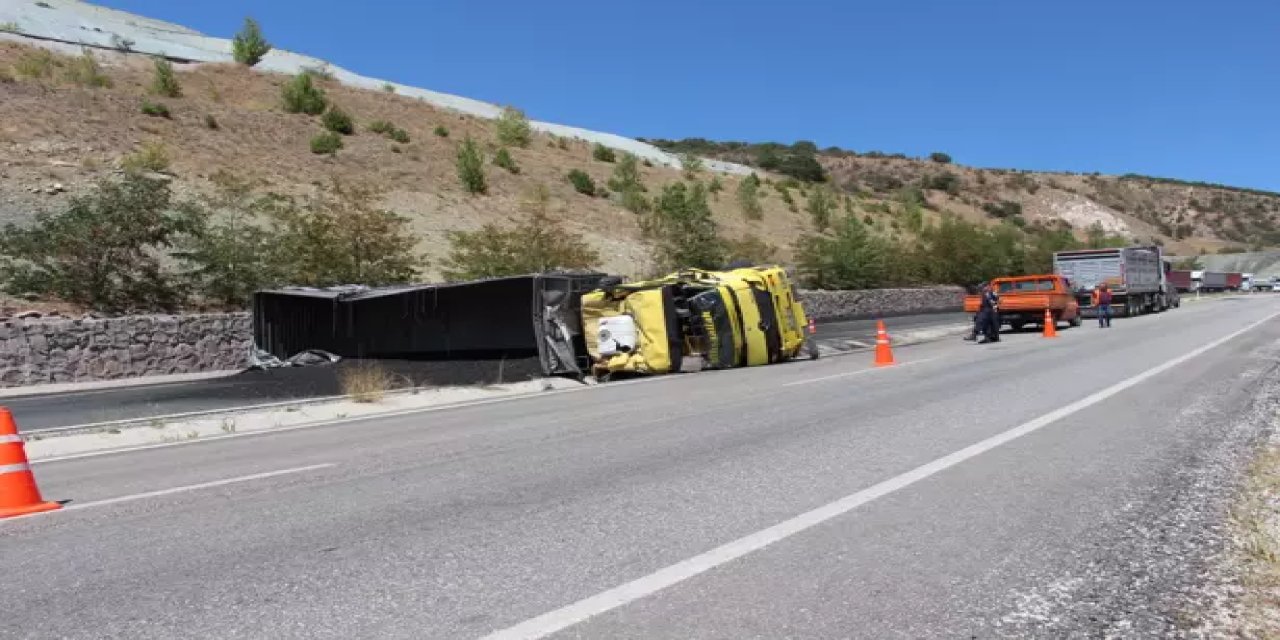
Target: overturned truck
570 324
536 316
695 320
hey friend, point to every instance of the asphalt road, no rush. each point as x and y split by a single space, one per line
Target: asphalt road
72 408
46 411
1034 488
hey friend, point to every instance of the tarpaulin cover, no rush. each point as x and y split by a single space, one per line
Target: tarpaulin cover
517 317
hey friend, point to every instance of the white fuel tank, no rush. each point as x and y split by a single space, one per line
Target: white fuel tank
617 335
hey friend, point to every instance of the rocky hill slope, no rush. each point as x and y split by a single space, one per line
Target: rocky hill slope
63 127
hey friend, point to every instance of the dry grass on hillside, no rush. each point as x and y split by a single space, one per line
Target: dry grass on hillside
54 131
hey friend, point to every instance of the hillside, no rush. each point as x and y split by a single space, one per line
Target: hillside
60 134
1187 217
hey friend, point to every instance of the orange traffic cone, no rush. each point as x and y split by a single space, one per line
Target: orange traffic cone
884 354
19 494
1050 325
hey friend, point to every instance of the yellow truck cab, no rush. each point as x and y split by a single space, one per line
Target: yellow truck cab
716 319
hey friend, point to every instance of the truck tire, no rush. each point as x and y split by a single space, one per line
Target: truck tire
1017 326
1076 321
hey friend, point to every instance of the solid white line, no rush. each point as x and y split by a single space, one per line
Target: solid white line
582 610
194 487
858 372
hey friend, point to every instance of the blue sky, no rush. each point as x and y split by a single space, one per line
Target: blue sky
1178 88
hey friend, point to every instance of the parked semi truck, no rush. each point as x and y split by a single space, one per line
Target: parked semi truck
1181 280
693 320
1211 281
1137 277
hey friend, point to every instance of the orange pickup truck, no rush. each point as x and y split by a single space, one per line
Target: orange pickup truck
1023 300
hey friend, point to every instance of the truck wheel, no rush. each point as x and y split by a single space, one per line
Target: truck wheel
811 348
1076 321
1017 326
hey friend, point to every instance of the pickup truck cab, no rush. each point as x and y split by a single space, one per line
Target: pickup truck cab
1023 300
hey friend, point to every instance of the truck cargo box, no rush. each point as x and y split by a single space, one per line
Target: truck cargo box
1180 279
517 317
1213 281
1126 270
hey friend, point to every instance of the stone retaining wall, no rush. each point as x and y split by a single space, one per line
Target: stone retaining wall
50 350
849 305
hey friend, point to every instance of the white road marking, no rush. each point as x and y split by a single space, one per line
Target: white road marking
183 489
858 372
583 610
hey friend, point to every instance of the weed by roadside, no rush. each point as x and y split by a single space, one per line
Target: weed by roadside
1256 520
367 382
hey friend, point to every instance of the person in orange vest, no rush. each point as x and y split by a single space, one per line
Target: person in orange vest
1102 302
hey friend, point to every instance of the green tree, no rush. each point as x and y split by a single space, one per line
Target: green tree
327 143
940 158
338 121
105 250
912 201
301 95
626 175
503 159
537 244
471 167
233 254
944 181
626 181
769 159
751 249
955 252
513 128
249 47
850 258
1046 242
686 234
749 198
603 153
582 183
821 205
1096 237
341 236
164 82
691 165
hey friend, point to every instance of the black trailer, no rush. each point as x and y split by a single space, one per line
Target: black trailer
535 316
